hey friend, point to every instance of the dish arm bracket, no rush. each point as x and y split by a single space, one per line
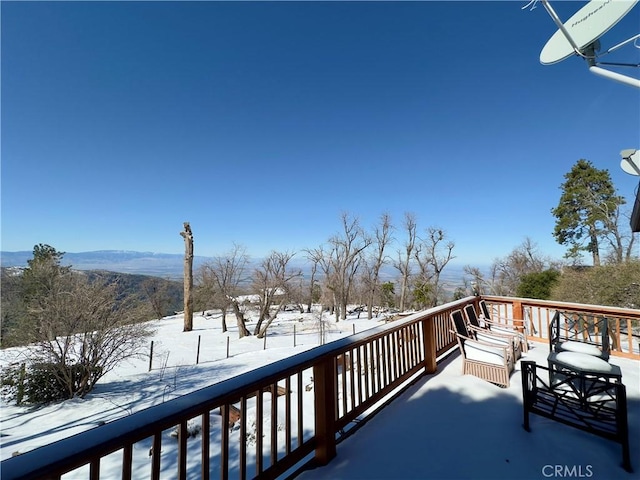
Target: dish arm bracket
554 16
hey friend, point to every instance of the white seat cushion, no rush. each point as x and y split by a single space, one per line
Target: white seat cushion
484 353
585 363
580 347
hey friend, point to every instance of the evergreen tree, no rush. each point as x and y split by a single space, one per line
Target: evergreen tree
42 272
587 211
537 284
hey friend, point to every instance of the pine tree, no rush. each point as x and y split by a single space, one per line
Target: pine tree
587 211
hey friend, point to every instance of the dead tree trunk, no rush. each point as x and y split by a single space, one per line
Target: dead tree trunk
188 277
243 331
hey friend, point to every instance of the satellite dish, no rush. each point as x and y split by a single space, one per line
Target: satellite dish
581 33
630 161
585 27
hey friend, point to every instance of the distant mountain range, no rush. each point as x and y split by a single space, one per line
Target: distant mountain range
171 265
168 265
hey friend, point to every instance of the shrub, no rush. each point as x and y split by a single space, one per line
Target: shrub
37 383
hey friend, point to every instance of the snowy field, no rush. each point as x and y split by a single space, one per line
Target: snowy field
131 387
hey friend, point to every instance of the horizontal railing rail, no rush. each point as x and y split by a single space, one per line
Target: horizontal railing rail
265 422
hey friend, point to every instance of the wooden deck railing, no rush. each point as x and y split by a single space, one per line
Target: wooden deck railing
624 323
267 421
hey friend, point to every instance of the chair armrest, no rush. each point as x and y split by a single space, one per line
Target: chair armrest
506 345
504 324
491 333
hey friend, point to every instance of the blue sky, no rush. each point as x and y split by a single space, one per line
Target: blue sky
261 122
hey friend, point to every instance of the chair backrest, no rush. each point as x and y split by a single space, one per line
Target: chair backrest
554 332
580 328
484 308
459 325
470 312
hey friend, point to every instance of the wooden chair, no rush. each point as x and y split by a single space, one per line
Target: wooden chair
489 360
513 335
503 324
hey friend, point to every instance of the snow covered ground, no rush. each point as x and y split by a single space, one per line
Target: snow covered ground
131 387
445 426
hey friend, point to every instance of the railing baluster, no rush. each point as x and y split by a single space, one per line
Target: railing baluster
205 447
127 460
182 450
615 334
243 438
397 354
155 455
94 469
224 440
414 353
386 359
359 373
375 346
343 378
417 357
274 423
259 430
300 410
287 415
352 383
368 369
406 349
399 346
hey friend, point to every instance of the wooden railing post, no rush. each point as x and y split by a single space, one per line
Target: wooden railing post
324 388
429 344
518 315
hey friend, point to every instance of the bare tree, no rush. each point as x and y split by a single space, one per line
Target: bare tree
618 241
272 280
403 263
226 273
85 328
243 331
188 277
209 293
322 259
507 272
312 281
373 264
433 253
476 283
157 292
322 325
346 257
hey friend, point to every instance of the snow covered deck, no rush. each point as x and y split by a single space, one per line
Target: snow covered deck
449 426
